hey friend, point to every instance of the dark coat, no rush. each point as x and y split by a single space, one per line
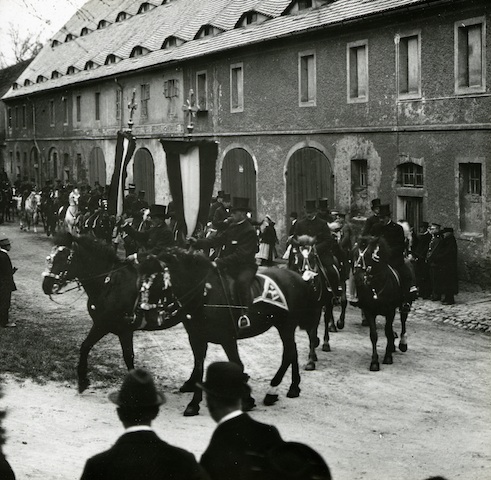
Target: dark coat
213 209
444 263
226 454
369 223
393 234
6 472
128 203
316 228
7 283
154 240
143 456
239 246
221 214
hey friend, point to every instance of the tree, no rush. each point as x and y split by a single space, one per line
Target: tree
23 46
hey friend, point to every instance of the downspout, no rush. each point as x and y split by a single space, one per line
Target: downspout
121 88
34 139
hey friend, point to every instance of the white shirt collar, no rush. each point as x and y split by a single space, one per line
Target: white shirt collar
139 428
230 415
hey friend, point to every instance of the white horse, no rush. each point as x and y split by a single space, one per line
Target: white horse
31 211
72 212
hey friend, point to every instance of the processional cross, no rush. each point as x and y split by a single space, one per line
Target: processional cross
190 110
132 106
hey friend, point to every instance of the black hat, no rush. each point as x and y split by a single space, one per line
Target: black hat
310 206
137 391
131 186
323 203
220 193
291 461
226 197
240 203
158 211
4 240
376 203
384 210
425 225
225 380
433 224
293 214
447 230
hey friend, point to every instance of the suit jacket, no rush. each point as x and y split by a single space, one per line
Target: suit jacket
226 457
143 455
393 234
7 283
316 228
154 240
370 222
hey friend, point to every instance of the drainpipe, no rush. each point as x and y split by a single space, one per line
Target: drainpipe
34 139
121 88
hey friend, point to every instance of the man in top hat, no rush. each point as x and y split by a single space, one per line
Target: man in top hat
129 200
139 453
394 236
221 218
140 204
157 238
326 246
419 252
7 284
216 204
433 247
239 245
323 211
374 219
237 435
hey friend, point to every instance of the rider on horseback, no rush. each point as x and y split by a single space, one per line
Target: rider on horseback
239 245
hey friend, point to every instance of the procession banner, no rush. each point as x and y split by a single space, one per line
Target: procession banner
125 147
191 173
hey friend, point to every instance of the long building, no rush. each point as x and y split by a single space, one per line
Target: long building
345 99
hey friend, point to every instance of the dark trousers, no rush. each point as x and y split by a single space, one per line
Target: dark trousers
5 299
243 279
406 276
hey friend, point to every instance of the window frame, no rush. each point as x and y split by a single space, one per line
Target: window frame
468 23
97 106
202 107
399 37
240 88
64 101
349 46
52 113
24 116
309 102
144 99
78 108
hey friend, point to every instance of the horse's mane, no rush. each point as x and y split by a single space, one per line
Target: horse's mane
96 247
191 262
371 242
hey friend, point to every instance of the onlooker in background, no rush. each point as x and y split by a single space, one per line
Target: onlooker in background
419 252
237 435
129 200
6 472
221 218
7 284
139 453
374 219
268 240
433 248
323 211
346 240
445 260
216 204
293 221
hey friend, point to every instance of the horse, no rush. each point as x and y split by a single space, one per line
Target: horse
379 293
31 211
305 261
100 225
49 213
202 295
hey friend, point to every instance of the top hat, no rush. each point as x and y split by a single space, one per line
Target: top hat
240 203
310 206
137 391
4 240
220 193
226 197
131 186
376 203
293 214
293 461
445 230
425 225
433 224
225 380
158 211
323 203
384 210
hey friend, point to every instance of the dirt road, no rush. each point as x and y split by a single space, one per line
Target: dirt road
427 414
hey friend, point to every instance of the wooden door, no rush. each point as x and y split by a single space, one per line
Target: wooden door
144 174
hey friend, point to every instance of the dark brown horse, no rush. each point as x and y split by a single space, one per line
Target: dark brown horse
207 307
379 293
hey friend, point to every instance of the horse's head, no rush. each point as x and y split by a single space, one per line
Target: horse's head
59 269
369 253
305 259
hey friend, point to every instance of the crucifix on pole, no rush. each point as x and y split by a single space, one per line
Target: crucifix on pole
132 106
190 110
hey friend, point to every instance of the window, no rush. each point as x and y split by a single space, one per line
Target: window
102 24
138 51
65 110
470 55
121 16
84 31
24 116
409 65
69 37
119 95
202 90
170 42
251 17
306 79
97 105
52 112
472 176
471 197
90 65
55 74
78 107
145 97
410 175
236 88
357 66
9 117
111 58
171 88
304 4
17 119
359 174
144 7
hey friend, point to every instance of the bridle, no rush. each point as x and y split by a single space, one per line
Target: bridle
62 277
361 265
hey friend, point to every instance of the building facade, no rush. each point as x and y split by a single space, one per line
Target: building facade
344 99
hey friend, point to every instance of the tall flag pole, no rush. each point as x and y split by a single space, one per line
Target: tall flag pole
125 147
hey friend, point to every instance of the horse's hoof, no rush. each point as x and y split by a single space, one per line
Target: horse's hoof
403 347
310 366
388 360
294 392
270 399
191 411
340 324
326 347
248 404
83 385
374 367
187 387
332 328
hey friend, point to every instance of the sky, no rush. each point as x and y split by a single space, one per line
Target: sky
33 17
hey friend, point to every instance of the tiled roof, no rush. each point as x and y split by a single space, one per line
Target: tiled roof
9 74
182 19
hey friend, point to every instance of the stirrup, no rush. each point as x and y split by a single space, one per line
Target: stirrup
244 321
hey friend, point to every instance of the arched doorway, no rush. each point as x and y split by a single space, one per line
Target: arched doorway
97 167
239 176
52 166
34 167
308 176
144 174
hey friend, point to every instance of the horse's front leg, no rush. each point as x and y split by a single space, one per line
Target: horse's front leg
328 323
374 364
95 334
126 341
403 340
389 334
344 304
313 342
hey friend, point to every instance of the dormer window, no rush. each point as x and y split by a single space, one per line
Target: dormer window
90 65
71 69
55 74
111 58
138 51
169 42
40 79
84 31
27 82
55 43
15 85
69 38
102 24
121 16
207 31
144 7
304 4
250 17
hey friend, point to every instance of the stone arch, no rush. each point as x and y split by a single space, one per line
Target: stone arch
144 173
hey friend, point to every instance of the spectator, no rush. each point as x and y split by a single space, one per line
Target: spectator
446 267
268 240
6 472
431 260
374 219
237 435
139 453
293 221
7 284
215 205
419 252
